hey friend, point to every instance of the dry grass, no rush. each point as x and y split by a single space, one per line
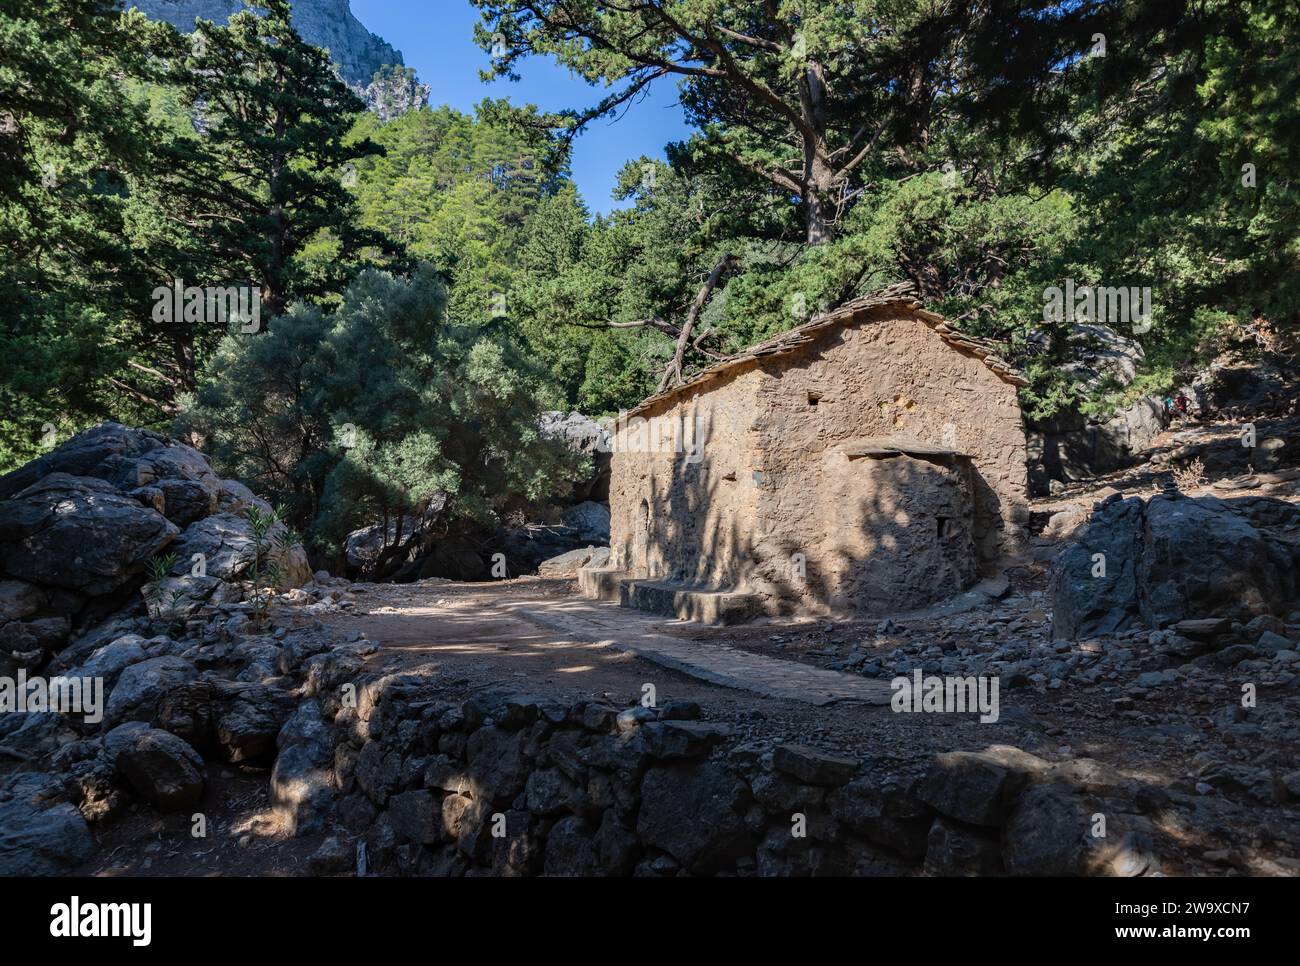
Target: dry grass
1190 476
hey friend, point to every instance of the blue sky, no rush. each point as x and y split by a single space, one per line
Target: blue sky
436 37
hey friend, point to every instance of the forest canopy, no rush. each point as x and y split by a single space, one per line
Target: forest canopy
436 280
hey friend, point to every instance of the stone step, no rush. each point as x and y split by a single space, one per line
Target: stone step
671 600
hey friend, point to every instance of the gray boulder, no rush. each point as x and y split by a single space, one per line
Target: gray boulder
1101 446
1170 559
1045 833
19 600
883 807
954 849
498 768
140 686
571 849
1102 354
235 721
176 479
978 787
78 533
362 547
1202 559
79 525
679 740
110 660
695 814
228 546
93 638
588 520
247 728
812 766
585 435
159 767
568 564
234 497
416 816
226 542
39 833
170 477
302 780
380 550
32 735
105 452
1094 594
26 644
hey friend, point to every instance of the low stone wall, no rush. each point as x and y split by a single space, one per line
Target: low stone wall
507 784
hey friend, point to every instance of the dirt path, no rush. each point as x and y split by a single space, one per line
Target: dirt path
469 636
474 635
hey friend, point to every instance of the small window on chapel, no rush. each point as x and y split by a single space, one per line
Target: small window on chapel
814 398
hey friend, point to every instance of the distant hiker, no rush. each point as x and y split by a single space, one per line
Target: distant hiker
1181 403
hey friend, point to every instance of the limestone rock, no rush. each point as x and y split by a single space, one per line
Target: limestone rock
1085 605
140 687
571 849
978 787
416 816
302 780
694 815
588 520
39 834
1044 834
954 849
227 544
1199 558
1173 559
356 52
78 533
19 600
568 564
80 524
160 768
497 767
589 437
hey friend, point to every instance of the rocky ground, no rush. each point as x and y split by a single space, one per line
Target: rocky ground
1122 712
385 728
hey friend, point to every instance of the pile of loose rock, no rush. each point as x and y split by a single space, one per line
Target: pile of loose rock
80 525
157 691
221 693
999 643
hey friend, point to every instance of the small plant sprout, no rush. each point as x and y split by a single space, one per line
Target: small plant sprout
272 541
162 606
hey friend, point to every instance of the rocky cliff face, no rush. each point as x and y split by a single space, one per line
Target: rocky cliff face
325 23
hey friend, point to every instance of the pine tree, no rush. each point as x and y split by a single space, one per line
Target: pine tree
71 139
275 118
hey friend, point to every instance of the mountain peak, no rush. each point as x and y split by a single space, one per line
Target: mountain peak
356 51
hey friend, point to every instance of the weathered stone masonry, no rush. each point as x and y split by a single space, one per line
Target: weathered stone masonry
512 784
868 460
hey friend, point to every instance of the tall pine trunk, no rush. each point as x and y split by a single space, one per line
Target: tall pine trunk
818 208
